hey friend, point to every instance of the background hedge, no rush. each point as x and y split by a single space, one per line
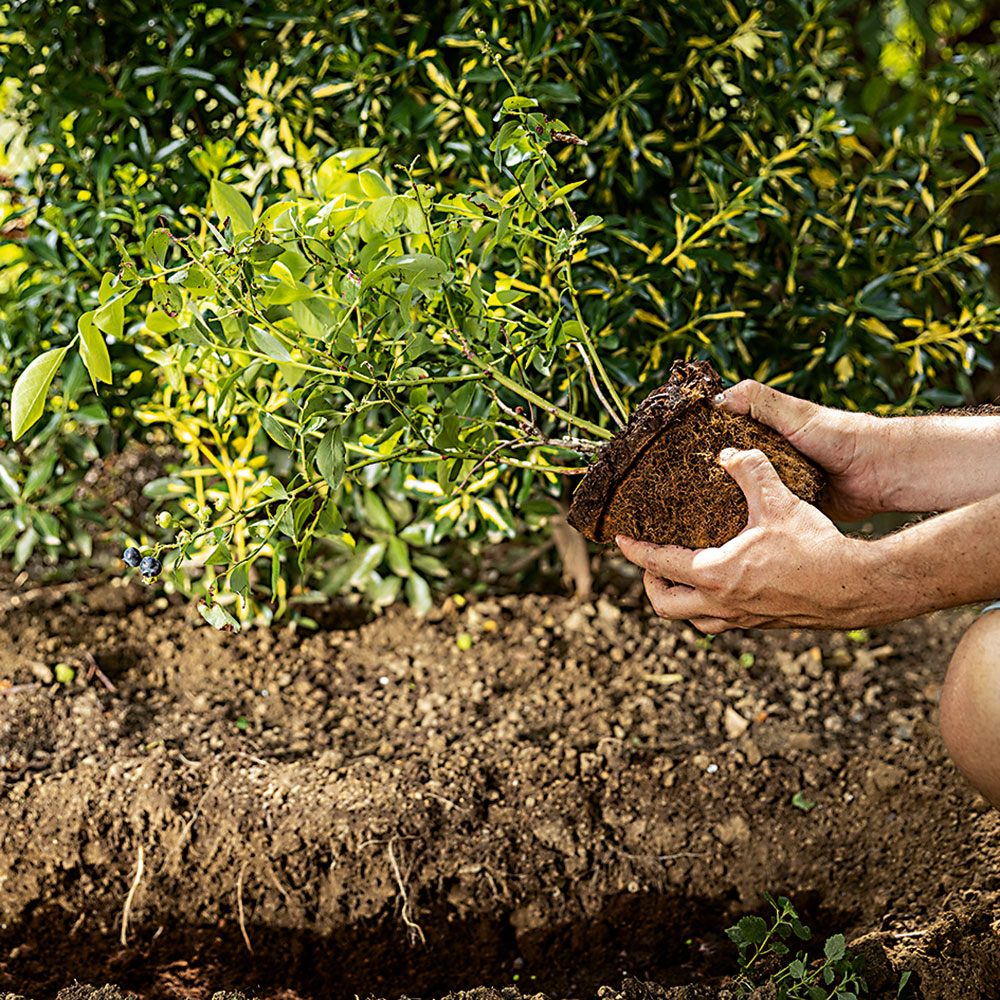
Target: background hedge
856 272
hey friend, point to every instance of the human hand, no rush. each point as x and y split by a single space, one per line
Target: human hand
789 567
845 445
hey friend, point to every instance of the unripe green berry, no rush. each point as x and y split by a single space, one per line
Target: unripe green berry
164 519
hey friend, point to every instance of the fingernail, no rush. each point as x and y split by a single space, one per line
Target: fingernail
719 399
726 455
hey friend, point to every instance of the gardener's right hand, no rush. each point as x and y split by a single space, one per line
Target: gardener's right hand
845 445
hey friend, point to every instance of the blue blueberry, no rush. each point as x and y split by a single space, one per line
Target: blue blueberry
132 556
150 567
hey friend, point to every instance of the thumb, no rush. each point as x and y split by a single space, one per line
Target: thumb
786 414
767 496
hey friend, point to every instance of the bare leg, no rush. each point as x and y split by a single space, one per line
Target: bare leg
970 706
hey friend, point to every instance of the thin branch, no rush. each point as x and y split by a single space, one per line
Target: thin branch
593 381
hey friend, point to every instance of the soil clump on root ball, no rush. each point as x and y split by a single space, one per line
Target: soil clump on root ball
659 479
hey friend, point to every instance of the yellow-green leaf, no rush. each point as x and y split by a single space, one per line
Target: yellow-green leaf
228 201
973 147
373 185
93 349
28 398
111 316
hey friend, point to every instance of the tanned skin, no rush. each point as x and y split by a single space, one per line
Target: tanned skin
792 566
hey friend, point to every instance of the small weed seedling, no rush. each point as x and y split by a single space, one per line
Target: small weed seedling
764 957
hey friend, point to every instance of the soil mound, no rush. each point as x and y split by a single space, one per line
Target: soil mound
659 479
587 793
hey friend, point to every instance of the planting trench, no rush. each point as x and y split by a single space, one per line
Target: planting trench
579 803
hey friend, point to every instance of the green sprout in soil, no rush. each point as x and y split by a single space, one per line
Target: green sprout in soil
746 659
858 635
764 958
801 802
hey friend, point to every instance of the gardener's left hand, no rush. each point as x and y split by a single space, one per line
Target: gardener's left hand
790 566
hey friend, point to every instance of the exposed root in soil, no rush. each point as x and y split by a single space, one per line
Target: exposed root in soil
127 908
414 932
239 907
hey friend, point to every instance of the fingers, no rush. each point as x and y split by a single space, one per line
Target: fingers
671 562
786 414
683 604
672 601
712 626
766 494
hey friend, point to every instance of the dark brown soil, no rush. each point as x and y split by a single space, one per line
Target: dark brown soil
578 804
659 479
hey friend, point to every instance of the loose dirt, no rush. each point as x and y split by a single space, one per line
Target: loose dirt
578 804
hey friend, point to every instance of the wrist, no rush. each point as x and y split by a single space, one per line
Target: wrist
892 584
873 453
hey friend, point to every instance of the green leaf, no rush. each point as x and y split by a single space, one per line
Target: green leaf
503 224
228 201
239 580
9 483
420 268
218 617
349 159
93 349
519 103
366 560
418 594
25 546
111 316
398 557
749 930
167 298
268 345
801 802
376 514
430 566
385 592
373 184
38 475
28 398
835 948
276 432
221 556
331 457
156 246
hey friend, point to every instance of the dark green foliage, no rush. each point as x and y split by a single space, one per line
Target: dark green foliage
769 952
774 197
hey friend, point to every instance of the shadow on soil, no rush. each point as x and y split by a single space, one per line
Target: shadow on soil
647 936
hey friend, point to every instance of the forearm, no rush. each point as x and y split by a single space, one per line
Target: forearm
943 562
936 462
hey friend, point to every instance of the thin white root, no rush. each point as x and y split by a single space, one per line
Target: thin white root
127 909
239 908
413 929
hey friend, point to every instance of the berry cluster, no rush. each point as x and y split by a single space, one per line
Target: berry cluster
149 566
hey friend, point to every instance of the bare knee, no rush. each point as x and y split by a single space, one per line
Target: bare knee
970 706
